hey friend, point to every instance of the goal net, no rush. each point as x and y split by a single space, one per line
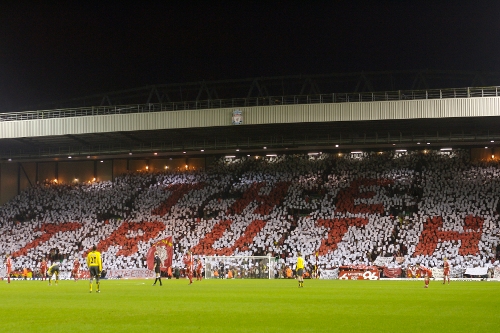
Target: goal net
239 267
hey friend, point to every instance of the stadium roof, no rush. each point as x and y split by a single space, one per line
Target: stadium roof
457 132
342 135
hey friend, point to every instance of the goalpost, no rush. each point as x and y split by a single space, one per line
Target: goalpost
239 267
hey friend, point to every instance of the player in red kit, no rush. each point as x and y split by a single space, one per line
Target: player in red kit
446 271
188 261
43 269
426 273
198 270
76 269
8 266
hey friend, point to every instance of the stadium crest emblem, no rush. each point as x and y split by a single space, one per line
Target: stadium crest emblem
237 118
162 253
164 248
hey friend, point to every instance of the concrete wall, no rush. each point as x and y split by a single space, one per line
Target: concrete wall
119 167
75 171
46 171
8 181
485 154
27 174
104 170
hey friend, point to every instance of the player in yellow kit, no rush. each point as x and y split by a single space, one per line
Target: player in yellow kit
300 269
53 269
94 264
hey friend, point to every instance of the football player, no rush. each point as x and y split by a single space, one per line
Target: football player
76 269
94 263
53 269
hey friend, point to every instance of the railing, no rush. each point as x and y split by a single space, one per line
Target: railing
399 95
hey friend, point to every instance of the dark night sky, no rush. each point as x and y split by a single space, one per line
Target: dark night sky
53 52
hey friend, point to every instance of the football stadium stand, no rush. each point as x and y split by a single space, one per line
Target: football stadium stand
337 209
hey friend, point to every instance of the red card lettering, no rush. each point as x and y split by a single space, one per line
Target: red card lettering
205 246
266 202
129 244
433 234
336 230
347 196
178 191
49 230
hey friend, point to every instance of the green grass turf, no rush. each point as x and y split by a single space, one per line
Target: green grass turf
250 306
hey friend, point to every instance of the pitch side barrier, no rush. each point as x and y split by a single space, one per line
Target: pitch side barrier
328 274
440 280
368 273
110 274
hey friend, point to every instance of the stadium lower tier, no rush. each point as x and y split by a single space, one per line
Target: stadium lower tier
400 208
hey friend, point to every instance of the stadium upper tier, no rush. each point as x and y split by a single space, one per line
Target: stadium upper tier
420 206
462 117
383 96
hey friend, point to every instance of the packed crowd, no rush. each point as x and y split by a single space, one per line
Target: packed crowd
337 210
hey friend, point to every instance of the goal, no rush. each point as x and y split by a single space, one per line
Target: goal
239 267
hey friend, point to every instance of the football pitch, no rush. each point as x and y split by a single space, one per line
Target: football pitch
250 306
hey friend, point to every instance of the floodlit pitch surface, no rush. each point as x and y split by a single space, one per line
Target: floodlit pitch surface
250 306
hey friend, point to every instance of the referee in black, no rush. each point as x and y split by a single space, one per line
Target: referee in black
157 266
